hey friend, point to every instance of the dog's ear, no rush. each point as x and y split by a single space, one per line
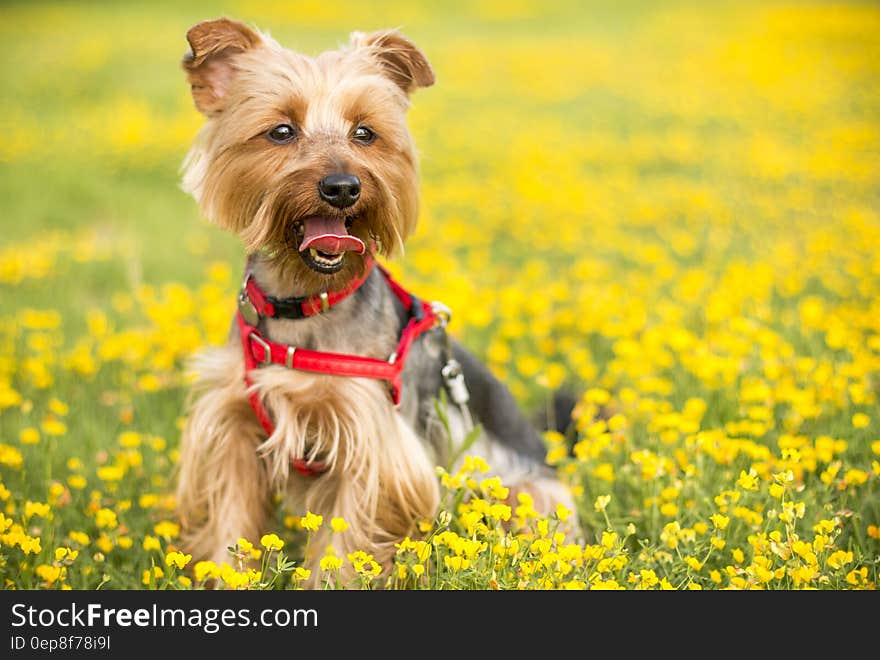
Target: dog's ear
399 57
209 64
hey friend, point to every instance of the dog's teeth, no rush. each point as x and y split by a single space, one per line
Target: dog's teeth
325 260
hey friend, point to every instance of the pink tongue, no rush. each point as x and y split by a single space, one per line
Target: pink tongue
330 236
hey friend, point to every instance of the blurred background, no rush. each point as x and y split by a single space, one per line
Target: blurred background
667 207
587 166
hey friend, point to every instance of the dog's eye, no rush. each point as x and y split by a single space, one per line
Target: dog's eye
282 133
363 135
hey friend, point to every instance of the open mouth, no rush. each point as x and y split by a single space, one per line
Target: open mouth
324 242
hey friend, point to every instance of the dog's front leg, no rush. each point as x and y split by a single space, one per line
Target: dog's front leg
223 492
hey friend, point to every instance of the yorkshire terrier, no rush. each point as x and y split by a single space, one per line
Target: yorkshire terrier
326 392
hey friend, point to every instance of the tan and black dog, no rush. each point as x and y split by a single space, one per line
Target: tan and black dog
326 391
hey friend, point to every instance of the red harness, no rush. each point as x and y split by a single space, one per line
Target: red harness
261 352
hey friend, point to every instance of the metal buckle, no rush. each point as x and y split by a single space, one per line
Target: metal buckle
288 359
267 351
442 312
325 301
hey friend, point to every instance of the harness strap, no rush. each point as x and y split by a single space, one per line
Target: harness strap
261 352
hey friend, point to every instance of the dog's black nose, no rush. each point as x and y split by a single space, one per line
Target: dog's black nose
340 190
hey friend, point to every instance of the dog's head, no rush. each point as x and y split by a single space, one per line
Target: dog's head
307 158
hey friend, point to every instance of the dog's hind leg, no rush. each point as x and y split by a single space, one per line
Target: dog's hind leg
222 492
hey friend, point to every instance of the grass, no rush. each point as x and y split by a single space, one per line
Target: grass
692 190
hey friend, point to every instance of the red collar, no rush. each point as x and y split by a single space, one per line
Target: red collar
253 303
261 352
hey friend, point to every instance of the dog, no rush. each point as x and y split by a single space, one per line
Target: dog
327 390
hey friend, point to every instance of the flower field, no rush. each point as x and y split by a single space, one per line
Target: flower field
670 209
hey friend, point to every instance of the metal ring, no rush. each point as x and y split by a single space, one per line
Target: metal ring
442 312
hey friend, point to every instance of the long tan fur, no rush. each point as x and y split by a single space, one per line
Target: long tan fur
380 475
379 478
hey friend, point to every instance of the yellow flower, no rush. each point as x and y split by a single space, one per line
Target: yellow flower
605 472
232 578
597 395
271 542
52 426
839 559
29 436
77 482
609 540
694 563
338 524
205 569
106 518
110 473
48 573
791 511
330 563
151 543
311 522
300 574
79 537
58 407
647 579
31 509
855 477
104 542
30 544
601 503
456 563
556 454
493 488
56 490
166 529
155 574
825 526
857 576
66 554
860 420
719 521
129 439
177 559
245 547
748 481
669 509
562 513
148 501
